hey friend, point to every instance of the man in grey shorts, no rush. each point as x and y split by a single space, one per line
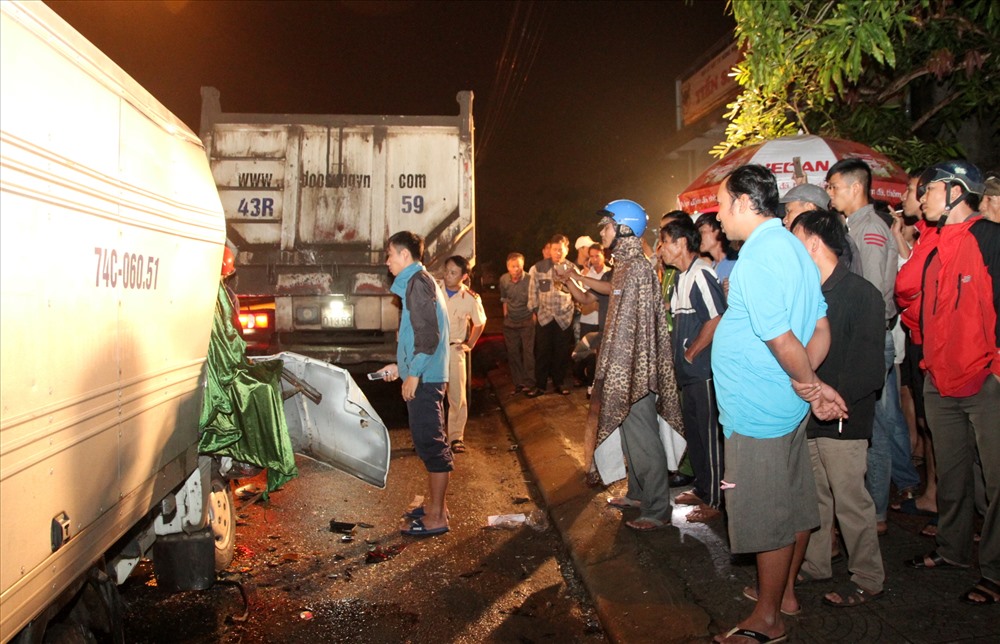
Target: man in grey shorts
771 336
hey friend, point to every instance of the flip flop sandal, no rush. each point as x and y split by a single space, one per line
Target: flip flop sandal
458 447
937 562
687 498
751 593
985 588
420 512
417 529
416 513
623 502
909 506
755 635
651 524
851 595
804 579
930 528
909 494
703 514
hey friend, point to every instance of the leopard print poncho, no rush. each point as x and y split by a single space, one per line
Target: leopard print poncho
635 357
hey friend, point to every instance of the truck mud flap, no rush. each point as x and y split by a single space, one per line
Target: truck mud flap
330 419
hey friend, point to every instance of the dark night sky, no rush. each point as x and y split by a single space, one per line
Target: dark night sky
588 126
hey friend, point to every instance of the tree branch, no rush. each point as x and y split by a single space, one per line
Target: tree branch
901 82
934 110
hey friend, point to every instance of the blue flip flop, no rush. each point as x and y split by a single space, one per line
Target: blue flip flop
417 529
416 513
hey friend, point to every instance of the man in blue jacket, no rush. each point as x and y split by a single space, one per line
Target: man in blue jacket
422 363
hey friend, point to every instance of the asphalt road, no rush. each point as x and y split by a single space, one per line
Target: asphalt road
304 583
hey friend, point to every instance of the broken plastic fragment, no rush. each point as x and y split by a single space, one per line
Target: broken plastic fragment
507 521
343 527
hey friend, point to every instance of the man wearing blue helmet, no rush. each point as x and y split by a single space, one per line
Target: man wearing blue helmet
635 380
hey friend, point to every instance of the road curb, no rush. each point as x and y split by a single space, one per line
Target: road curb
632 604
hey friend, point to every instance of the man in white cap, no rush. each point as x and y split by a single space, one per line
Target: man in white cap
582 246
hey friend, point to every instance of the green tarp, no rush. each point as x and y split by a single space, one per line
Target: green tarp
242 415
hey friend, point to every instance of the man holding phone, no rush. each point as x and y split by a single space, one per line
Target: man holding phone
422 363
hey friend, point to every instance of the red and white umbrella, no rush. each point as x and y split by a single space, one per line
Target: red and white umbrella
817 155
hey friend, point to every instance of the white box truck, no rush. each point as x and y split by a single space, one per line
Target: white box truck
112 235
111 244
310 201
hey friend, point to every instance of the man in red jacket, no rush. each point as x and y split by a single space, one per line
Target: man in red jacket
960 295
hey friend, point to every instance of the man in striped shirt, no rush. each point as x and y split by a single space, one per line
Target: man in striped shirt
697 305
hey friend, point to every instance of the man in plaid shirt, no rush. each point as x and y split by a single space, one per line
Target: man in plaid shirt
553 308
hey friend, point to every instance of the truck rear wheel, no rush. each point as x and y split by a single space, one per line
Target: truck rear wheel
89 611
222 517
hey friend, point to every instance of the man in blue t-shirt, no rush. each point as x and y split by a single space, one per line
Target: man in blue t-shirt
772 336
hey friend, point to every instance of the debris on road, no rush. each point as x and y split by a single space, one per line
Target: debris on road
535 519
342 527
378 554
505 521
538 520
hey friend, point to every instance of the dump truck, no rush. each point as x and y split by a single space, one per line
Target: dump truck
310 201
111 243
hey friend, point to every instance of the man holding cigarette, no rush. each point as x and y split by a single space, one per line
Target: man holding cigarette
838 448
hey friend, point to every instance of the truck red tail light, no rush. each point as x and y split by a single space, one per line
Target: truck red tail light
252 321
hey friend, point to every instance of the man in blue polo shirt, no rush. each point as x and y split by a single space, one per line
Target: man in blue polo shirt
765 350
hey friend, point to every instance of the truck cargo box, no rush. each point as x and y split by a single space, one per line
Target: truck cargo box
310 201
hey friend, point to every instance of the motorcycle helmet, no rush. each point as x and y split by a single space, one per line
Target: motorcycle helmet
629 218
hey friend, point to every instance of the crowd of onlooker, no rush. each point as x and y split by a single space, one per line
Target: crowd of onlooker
831 359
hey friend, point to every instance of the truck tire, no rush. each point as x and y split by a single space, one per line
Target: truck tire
90 611
222 517
69 633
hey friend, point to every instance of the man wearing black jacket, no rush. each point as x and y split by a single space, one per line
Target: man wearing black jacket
838 449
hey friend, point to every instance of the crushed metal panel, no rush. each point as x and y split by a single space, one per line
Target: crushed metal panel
343 430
